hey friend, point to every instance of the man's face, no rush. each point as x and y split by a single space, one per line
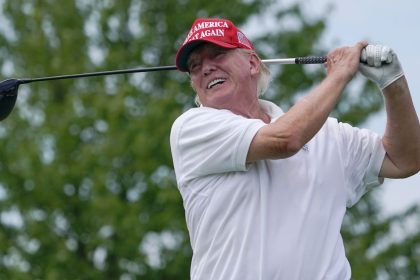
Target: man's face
222 77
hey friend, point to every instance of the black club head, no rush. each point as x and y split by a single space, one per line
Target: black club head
8 96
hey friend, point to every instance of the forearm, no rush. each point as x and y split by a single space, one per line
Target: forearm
307 116
402 135
286 136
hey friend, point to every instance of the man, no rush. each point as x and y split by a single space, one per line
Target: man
265 192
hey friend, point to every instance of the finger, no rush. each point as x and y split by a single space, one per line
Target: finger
361 45
334 55
331 59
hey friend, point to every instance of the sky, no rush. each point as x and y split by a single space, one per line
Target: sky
387 22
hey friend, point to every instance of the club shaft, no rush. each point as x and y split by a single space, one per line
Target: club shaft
298 60
101 73
279 61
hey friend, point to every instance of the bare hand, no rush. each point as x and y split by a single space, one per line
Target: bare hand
345 61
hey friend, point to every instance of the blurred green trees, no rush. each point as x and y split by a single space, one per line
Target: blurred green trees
87 189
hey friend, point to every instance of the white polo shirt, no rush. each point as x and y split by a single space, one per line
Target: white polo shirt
272 219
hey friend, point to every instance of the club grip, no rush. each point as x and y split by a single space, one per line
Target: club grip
311 60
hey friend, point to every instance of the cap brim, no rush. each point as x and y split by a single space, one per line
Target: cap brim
185 51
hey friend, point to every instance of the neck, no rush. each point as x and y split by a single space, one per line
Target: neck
251 110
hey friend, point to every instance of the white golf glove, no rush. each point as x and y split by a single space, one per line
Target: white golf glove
380 65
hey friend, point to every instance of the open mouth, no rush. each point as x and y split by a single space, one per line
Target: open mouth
215 82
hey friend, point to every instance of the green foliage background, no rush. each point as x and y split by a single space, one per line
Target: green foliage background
87 189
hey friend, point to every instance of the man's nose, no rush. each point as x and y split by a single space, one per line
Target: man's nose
208 66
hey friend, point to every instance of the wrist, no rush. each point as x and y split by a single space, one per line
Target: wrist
340 79
396 88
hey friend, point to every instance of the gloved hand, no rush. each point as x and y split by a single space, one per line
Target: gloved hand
380 65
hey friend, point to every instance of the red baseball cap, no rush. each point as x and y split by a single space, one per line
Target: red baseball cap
220 32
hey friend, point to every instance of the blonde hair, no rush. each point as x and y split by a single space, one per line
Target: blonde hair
263 82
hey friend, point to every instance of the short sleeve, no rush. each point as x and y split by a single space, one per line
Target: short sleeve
363 154
207 141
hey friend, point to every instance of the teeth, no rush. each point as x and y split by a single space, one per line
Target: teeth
214 82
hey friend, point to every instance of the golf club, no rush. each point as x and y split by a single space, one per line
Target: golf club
9 88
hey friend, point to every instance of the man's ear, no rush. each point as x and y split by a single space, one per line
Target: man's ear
254 63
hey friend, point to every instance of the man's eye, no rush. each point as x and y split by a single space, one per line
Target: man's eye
193 67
